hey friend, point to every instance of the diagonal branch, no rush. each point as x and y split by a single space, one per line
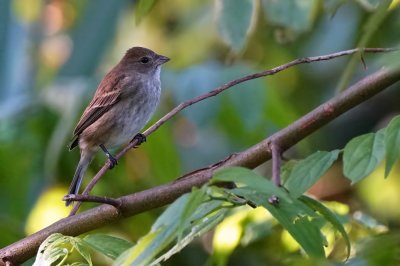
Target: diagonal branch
159 196
217 91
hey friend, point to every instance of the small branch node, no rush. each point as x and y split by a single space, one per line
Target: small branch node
89 198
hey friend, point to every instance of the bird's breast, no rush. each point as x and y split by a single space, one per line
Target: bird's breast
134 112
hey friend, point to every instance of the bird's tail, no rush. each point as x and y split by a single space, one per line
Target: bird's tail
79 173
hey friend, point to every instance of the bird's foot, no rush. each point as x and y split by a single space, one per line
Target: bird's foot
140 138
69 199
113 161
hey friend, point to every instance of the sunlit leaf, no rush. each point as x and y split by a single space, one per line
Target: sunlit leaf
306 172
362 155
392 144
57 247
234 21
110 246
49 252
394 4
330 217
48 202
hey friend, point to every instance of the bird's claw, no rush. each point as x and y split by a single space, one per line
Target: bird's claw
140 138
113 161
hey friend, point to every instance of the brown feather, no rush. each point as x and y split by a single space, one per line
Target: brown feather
106 96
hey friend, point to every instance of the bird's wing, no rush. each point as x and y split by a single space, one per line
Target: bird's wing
106 96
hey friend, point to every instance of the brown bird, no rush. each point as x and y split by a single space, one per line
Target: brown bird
122 105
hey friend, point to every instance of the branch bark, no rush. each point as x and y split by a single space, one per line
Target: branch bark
217 91
366 88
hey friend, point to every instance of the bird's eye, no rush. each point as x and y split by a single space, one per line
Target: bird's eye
144 60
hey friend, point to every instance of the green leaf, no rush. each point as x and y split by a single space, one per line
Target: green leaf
206 208
82 248
306 172
167 226
195 199
198 228
286 170
234 21
362 155
78 263
142 252
53 249
142 9
392 143
296 217
294 15
57 247
181 221
110 246
172 216
243 176
330 217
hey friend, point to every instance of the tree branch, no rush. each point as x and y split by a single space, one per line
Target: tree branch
217 91
159 196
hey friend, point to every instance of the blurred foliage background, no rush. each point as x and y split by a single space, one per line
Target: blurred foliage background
54 53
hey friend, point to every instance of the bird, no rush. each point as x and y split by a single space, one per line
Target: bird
123 103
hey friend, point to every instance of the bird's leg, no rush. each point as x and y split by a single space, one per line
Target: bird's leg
113 161
276 169
140 138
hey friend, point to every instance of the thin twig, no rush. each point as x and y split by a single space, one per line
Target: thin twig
90 198
276 163
217 91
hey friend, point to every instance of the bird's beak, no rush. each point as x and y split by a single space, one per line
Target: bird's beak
162 59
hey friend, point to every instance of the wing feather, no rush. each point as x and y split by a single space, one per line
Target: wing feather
106 96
